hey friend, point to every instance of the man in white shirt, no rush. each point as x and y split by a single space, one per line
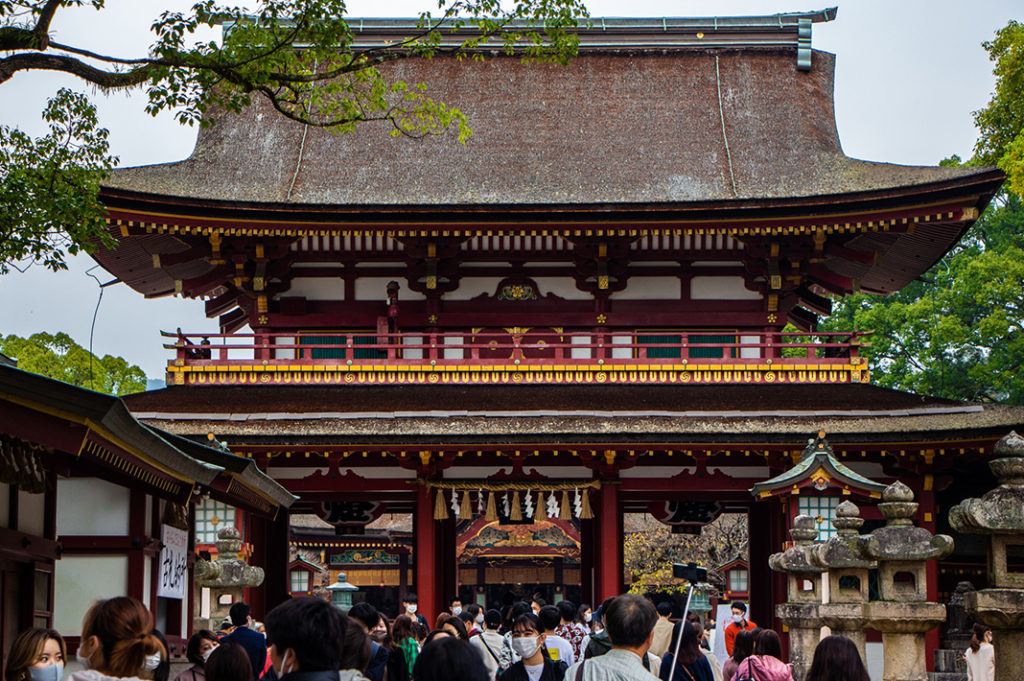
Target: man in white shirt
492 646
630 623
558 648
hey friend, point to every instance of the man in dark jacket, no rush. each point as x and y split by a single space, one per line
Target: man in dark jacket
254 643
367 615
306 638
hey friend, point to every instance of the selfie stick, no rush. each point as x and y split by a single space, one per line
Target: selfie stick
693 574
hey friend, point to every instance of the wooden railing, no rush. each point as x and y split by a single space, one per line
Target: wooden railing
534 354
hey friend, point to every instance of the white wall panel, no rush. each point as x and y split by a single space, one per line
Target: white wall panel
31 513
649 288
79 581
91 506
721 288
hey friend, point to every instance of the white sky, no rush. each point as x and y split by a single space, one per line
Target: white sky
908 75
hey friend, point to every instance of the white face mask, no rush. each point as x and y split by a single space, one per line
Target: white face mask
526 646
737 618
151 662
480 618
588 616
206 655
411 608
83 659
284 669
51 673
457 610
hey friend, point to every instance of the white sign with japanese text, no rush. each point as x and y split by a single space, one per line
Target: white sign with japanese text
173 563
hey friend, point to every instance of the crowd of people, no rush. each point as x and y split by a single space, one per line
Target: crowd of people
308 639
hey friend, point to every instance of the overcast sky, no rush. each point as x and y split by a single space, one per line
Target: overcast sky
908 75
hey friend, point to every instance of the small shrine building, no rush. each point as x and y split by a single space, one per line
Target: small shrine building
580 313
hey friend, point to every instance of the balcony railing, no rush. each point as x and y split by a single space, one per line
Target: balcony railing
518 355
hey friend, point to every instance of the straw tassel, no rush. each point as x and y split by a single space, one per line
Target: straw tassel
564 512
440 511
492 509
466 512
517 513
585 511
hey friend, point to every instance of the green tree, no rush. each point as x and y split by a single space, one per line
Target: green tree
959 331
301 56
61 358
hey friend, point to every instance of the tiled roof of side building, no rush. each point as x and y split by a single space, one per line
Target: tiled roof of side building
615 126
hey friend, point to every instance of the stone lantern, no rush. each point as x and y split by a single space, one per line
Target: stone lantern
800 613
903 614
227 577
1000 514
844 610
341 592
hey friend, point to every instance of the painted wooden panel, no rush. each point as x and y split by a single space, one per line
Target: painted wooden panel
649 288
31 513
721 288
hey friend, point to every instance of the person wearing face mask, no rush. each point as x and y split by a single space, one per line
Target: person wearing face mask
455 606
475 620
739 623
528 640
197 651
307 637
36 655
118 642
410 604
980 656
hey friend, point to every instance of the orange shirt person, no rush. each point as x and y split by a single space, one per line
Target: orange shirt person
738 624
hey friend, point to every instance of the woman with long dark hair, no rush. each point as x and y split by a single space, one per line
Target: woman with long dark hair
837 659
766 663
981 656
405 638
691 665
742 648
229 662
397 669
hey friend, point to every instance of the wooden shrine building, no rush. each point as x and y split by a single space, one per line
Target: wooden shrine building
580 313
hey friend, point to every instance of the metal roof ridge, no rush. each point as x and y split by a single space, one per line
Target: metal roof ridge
351 416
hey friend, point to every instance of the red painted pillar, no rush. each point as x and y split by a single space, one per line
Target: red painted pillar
425 555
609 521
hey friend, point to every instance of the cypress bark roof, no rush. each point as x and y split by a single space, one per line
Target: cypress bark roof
618 125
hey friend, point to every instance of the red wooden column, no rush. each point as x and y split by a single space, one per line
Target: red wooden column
609 556
425 556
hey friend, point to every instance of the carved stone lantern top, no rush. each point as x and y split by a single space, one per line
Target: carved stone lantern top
229 541
836 553
796 559
900 540
1000 510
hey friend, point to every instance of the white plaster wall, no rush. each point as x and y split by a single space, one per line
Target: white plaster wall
319 288
376 288
874 661
395 472
471 287
720 288
659 472
454 353
622 353
742 471
718 263
750 353
564 287
581 353
393 265
296 473
91 506
649 288
147 580
412 353
285 353
31 509
79 581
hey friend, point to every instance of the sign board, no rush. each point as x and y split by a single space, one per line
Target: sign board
173 563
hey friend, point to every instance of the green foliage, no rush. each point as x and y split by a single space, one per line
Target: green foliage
61 358
1001 123
959 331
49 203
302 56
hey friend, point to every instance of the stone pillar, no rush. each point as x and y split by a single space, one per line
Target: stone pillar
903 614
234 575
999 513
800 612
844 612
